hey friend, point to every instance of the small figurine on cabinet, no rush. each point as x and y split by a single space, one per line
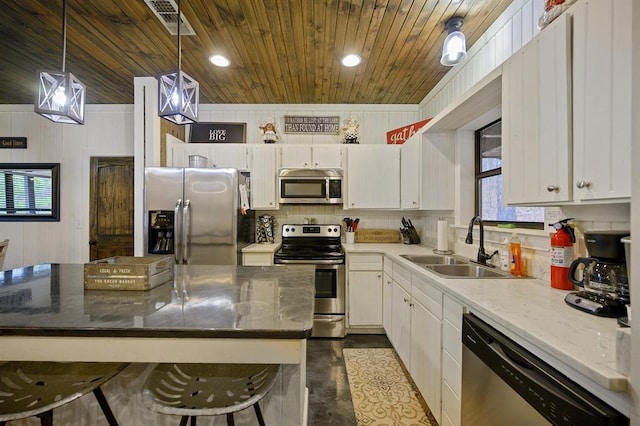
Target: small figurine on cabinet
350 131
268 130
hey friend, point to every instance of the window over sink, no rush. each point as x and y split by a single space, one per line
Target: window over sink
488 176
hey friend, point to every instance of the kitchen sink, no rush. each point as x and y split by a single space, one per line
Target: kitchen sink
433 259
467 271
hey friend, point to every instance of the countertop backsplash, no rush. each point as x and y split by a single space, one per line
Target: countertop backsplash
535 243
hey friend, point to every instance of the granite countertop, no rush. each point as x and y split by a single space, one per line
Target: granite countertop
201 301
533 314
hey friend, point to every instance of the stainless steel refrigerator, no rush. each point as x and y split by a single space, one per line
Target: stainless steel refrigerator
197 214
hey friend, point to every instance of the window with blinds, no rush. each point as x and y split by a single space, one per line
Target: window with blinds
29 192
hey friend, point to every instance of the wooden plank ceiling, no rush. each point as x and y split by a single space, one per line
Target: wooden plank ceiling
281 51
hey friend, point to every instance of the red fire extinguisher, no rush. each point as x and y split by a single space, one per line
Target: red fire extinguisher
562 254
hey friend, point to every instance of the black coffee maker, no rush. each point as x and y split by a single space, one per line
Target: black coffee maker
605 283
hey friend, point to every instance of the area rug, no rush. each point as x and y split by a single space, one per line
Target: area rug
382 393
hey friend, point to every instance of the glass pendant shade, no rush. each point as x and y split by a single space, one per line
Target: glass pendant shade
60 97
454 49
178 97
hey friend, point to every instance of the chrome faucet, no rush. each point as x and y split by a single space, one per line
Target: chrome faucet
482 255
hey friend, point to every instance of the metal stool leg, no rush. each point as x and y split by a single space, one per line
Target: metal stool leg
256 407
230 421
46 418
105 407
184 420
193 420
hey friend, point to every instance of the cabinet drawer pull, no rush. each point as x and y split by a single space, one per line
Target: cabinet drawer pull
553 188
583 184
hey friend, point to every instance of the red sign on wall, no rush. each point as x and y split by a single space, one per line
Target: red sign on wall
400 135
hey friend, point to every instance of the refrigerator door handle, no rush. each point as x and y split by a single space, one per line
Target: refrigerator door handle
177 220
186 230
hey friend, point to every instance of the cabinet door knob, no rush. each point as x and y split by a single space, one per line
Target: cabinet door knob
553 188
583 184
406 300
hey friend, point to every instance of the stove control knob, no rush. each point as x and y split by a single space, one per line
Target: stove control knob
286 229
293 229
335 229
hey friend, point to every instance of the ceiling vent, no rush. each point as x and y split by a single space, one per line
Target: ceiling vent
167 13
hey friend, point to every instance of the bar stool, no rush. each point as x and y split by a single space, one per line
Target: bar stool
36 388
191 390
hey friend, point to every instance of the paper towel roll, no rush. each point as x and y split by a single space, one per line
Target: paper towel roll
443 229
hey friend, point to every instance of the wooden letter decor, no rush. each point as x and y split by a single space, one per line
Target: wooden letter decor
304 124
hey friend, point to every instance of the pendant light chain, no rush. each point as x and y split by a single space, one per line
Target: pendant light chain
64 33
179 41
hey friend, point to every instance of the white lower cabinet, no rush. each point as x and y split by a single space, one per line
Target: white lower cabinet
364 283
401 322
415 330
387 295
401 325
426 342
451 360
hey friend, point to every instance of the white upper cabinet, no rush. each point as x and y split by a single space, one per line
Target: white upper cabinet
602 99
410 175
373 177
566 116
427 171
438 171
311 156
218 155
536 118
264 179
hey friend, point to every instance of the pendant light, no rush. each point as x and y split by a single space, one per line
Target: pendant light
454 49
60 96
177 92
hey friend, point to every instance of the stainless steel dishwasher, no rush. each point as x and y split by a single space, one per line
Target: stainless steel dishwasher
504 384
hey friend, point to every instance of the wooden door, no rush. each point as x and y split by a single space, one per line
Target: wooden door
111 207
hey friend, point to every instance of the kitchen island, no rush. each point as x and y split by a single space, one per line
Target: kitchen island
207 314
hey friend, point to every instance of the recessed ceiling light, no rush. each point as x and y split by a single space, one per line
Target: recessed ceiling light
219 60
351 60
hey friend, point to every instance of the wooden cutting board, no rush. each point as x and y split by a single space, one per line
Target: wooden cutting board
378 236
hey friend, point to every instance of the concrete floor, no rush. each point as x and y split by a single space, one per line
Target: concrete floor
329 395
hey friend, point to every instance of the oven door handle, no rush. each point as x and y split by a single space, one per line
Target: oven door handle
308 262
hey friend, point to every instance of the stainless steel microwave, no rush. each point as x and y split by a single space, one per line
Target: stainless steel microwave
310 186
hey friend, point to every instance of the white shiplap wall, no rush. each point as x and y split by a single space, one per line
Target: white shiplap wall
108 131
374 120
514 28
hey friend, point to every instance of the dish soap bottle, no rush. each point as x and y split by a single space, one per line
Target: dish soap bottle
515 254
503 255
